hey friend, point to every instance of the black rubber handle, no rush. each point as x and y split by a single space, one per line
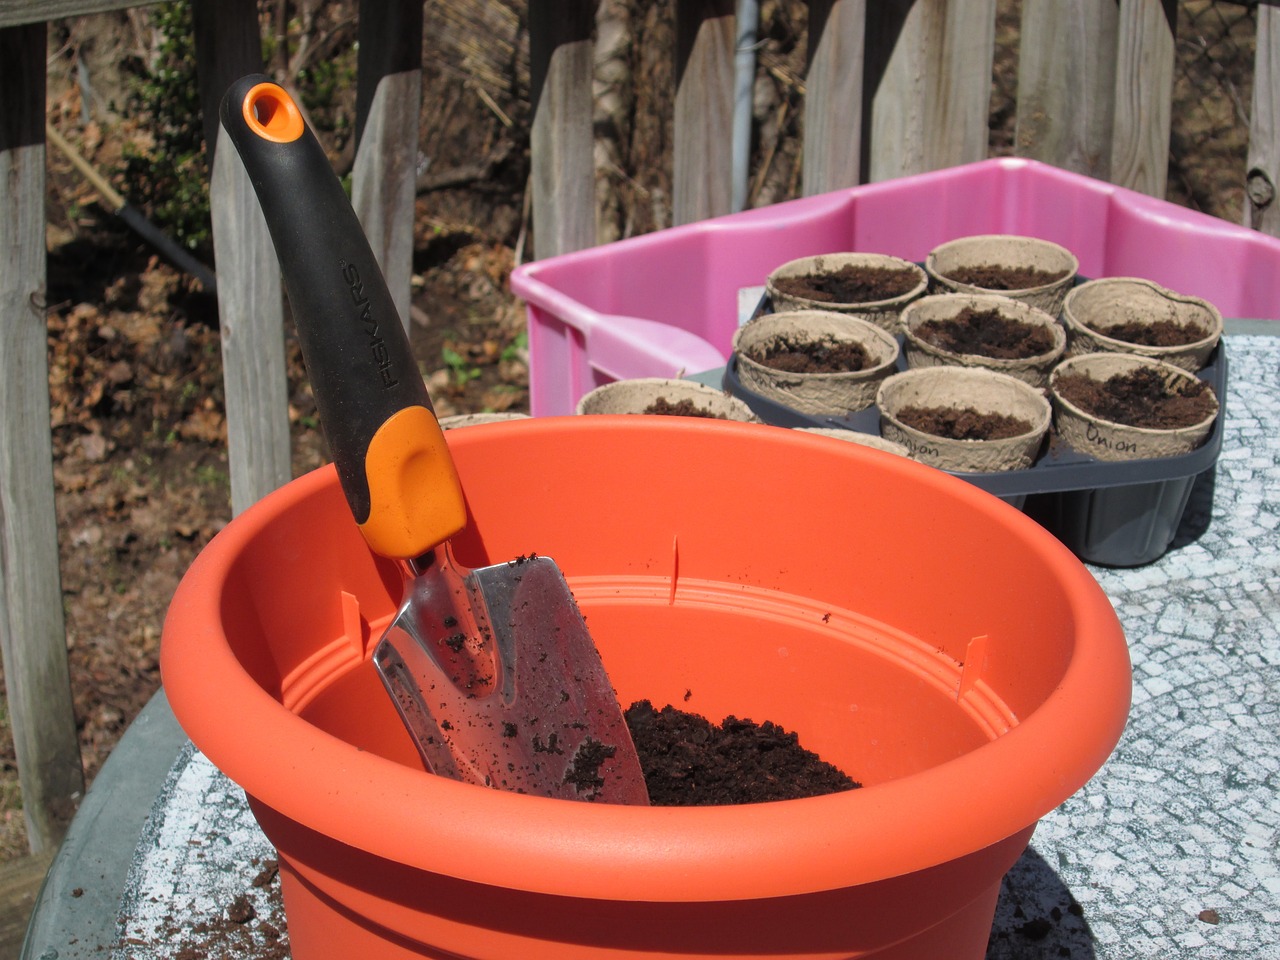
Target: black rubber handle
356 350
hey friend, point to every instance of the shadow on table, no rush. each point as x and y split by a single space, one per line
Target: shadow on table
1198 512
1037 917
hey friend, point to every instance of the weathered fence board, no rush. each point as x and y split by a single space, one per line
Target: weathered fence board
1067 83
32 630
15 12
1261 210
1144 95
562 177
250 310
833 95
702 161
929 68
388 101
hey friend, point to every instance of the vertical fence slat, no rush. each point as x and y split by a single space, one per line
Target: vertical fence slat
250 310
388 102
1067 83
1143 95
833 95
561 143
1261 207
929 64
702 164
32 628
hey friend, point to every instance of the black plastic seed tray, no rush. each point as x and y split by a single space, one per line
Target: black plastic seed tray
1120 514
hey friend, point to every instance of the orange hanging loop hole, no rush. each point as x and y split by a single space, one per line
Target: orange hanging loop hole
271 113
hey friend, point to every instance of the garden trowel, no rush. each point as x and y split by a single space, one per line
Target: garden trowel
492 669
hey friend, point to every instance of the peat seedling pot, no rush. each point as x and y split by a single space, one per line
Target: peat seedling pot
874 286
1036 271
820 340
664 396
1135 316
857 436
983 330
968 670
960 404
1117 421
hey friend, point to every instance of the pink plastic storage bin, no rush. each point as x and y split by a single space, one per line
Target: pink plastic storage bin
666 302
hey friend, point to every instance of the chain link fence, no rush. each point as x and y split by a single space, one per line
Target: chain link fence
1213 85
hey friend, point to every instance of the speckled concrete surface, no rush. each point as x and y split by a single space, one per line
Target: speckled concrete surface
1170 851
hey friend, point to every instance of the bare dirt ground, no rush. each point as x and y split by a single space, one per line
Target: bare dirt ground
135 368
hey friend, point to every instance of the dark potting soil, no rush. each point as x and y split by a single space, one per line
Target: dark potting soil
994 276
987 333
688 761
817 356
963 424
851 284
1140 398
681 408
1158 333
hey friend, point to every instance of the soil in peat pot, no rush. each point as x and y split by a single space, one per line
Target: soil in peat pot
681 408
987 333
1158 333
963 424
688 761
990 276
1139 398
851 284
818 356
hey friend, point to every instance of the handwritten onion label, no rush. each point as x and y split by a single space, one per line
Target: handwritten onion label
1094 435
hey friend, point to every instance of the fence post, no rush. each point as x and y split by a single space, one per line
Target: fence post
250 309
833 95
1261 209
388 102
561 144
702 162
1067 84
32 629
930 67
1144 95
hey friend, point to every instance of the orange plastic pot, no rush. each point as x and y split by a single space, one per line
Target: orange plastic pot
920 634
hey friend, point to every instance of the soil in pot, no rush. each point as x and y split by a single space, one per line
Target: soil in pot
994 276
963 424
688 761
852 283
987 333
680 408
1140 398
1160 333
819 356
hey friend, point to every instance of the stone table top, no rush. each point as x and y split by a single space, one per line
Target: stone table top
1169 852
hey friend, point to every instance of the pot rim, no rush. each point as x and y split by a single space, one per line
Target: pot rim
1128 346
1031 315
890 829
930 263
1044 414
801 264
864 328
1133 361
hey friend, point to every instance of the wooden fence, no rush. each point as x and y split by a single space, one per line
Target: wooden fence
892 88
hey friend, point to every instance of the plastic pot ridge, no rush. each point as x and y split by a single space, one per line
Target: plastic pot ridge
968 656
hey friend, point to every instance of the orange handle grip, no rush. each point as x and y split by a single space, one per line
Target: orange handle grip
416 499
